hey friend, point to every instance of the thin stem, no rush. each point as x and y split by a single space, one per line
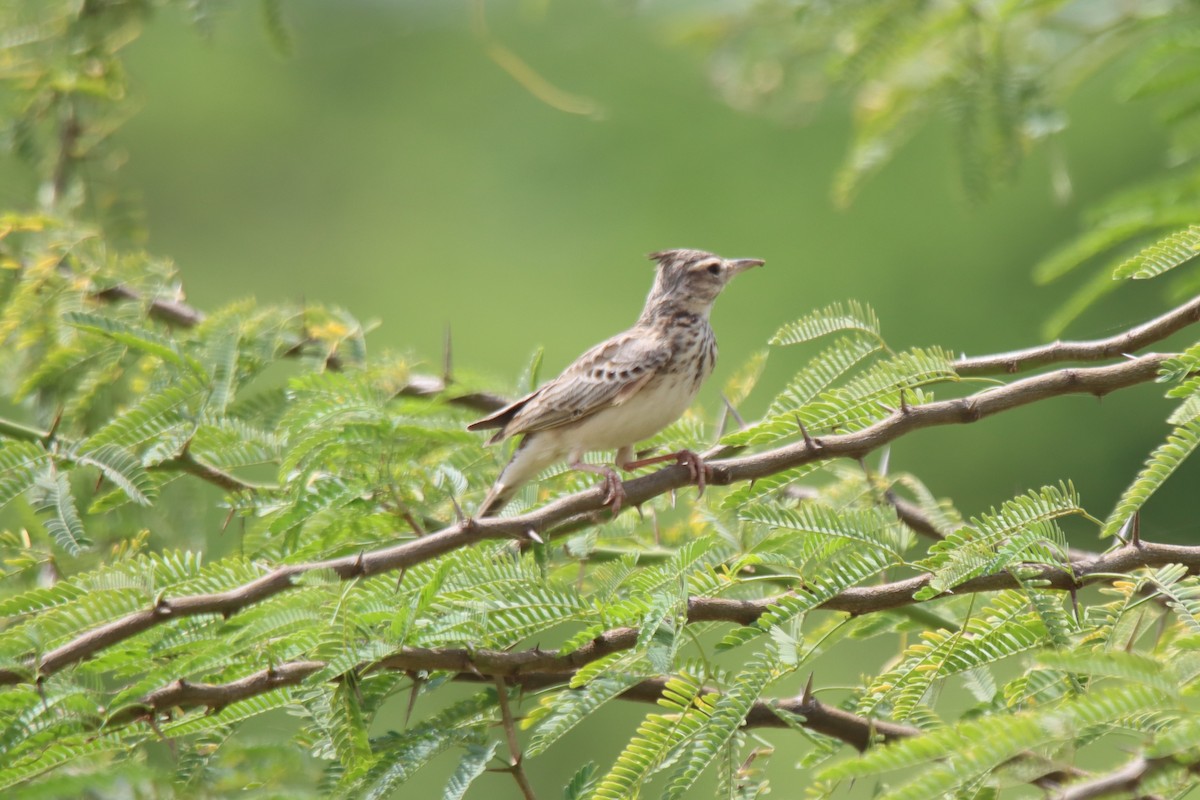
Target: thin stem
516 756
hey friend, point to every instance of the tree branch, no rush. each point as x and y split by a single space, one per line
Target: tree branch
860 600
1130 341
562 512
1122 780
805 710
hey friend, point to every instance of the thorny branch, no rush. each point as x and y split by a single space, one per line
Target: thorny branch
547 520
1121 781
1130 341
508 669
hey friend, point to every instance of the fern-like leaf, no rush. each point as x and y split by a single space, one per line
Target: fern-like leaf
1162 463
63 522
851 316
124 470
722 723
656 737
472 764
1162 256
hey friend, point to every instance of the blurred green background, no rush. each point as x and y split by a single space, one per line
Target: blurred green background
390 166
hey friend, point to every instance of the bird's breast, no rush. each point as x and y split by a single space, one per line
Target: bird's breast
656 405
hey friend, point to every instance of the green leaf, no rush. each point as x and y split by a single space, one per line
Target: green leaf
656 737
581 785
722 723
983 546
1164 255
150 420
20 465
122 469
64 523
132 336
558 714
1161 465
851 316
472 764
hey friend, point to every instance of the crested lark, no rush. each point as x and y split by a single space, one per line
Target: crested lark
624 390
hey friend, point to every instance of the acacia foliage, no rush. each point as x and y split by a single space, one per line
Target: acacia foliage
123 403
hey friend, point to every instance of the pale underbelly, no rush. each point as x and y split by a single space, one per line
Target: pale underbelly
642 416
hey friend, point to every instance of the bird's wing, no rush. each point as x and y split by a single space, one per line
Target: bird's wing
607 375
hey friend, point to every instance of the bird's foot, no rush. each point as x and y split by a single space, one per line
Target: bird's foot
699 472
614 490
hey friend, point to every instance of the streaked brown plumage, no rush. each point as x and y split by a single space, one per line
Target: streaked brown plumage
623 390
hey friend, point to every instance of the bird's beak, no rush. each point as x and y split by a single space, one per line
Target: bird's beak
737 265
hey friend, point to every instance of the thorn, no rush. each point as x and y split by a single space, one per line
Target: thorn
807 695
1135 530
532 536
228 519
885 406
1129 356
884 460
162 606
733 412
722 425
904 407
412 698
50 434
447 358
809 442
400 577
358 564
1075 603
458 512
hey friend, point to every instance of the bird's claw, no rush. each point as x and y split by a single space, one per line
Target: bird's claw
699 472
614 491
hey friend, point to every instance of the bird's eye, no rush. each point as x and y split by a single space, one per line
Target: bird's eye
714 269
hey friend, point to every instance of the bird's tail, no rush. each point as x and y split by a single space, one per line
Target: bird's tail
531 457
497 498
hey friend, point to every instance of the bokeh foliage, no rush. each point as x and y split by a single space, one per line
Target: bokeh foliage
127 408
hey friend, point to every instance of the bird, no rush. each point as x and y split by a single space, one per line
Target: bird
625 389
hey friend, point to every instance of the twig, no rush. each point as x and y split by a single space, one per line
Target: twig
1130 341
184 694
515 754
1123 780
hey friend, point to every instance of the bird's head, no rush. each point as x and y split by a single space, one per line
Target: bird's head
690 280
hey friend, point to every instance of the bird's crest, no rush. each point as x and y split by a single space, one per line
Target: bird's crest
678 254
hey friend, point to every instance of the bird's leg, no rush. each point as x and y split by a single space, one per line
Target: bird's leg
614 490
700 472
